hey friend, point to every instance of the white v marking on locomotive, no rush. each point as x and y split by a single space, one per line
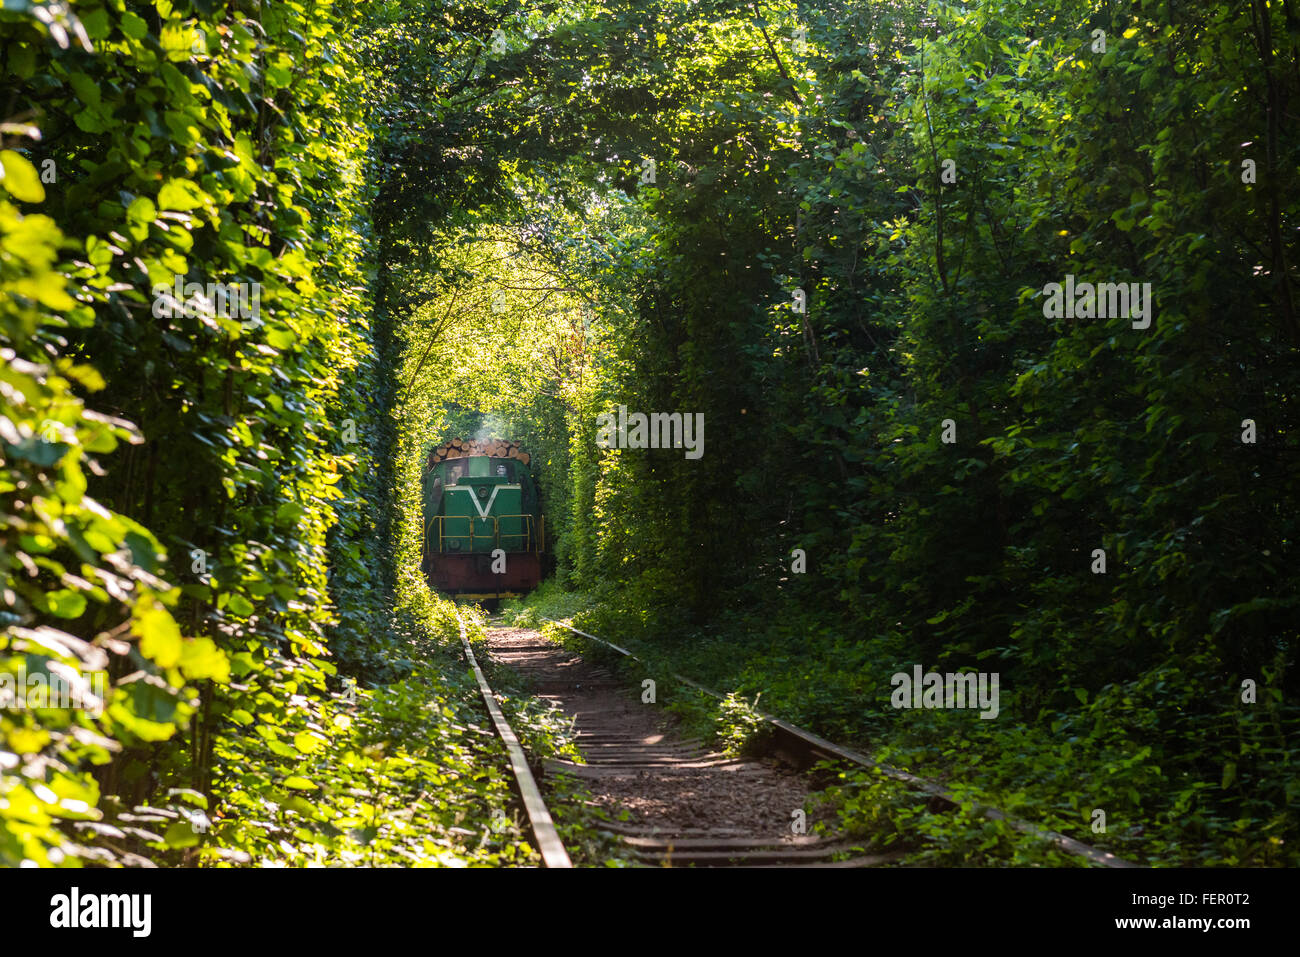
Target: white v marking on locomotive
482 510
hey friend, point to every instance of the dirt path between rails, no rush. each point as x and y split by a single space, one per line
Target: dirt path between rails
684 804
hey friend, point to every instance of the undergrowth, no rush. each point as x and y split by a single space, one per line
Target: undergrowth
1125 753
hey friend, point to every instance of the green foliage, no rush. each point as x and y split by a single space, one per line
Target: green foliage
236 541
1122 690
893 818
410 774
549 600
741 728
448 236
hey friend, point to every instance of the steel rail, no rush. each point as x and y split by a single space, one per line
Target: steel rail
544 834
816 744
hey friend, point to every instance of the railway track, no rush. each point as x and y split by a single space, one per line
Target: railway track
804 748
545 837
672 801
669 800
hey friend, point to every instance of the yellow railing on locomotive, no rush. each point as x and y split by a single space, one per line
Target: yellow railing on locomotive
521 541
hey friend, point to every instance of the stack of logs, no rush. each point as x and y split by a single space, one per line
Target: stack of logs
459 448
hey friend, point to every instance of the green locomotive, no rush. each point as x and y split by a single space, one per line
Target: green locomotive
484 531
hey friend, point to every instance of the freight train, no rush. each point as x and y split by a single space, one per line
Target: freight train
484 531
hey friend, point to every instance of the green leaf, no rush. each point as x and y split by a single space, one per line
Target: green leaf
142 210
181 834
86 89
148 710
299 783
65 603
22 60
176 40
133 25
160 637
96 23
295 802
201 658
20 178
181 194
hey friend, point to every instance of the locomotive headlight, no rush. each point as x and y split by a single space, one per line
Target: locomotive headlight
482 491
